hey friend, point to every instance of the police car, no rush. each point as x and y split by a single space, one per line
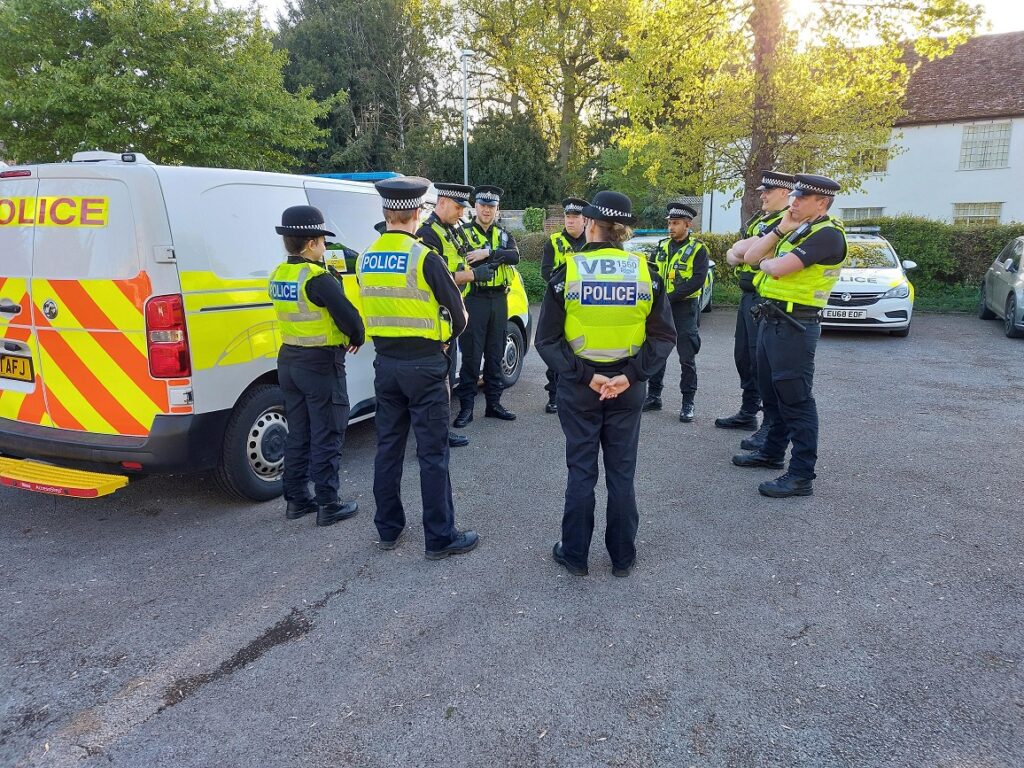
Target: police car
873 292
645 243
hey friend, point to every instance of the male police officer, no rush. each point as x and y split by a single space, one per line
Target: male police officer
442 232
570 240
682 261
413 312
318 324
809 249
487 304
604 327
774 191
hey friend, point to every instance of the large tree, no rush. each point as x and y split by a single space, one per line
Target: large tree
182 81
715 92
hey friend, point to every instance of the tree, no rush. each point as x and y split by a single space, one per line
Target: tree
755 84
178 80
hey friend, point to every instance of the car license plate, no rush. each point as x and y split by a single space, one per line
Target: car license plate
844 314
17 368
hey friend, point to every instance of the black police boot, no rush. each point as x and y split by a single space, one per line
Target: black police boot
499 411
551 407
559 557
388 544
465 541
786 485
741 420
758 459
622 572
297 509
329 514
456 440
686 412
465 416
756 441
652 403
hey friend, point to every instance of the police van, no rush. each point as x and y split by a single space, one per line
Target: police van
136 332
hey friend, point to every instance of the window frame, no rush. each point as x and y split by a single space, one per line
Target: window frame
994 151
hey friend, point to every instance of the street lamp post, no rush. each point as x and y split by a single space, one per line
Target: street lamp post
465 55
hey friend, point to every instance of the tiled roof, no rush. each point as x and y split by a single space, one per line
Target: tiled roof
981 79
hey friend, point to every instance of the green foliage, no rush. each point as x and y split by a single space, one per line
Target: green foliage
533 219
179 80
531 246
535 286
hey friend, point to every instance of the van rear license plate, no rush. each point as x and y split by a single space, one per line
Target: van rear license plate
844 314
17 368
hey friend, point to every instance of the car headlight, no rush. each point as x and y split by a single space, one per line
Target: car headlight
901 291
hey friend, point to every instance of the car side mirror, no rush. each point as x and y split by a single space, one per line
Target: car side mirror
1008 265
909 265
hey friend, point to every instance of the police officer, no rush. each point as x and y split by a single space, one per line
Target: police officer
413 313
799 260
682 261
318 324
442 232
487 303
556 249
774 192
605 326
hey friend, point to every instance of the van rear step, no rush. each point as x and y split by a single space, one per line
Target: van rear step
46 478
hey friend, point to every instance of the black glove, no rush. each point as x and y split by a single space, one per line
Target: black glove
483 273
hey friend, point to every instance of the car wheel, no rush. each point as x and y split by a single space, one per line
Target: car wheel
902 332
515 351
1010 319
983 311
252 457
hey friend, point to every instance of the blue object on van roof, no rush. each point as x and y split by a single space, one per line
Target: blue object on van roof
650 231
369 176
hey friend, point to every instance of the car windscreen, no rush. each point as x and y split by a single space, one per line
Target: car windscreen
871 256
638 245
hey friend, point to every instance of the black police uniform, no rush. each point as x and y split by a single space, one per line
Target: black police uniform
592 425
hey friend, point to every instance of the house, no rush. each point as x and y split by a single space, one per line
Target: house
961 142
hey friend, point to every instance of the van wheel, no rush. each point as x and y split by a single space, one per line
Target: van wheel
252 458
512 357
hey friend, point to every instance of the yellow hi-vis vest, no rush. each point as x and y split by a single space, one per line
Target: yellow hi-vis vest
450 254
301 322
492 240
811 285
758 225
397 302
608 296
562 249
679 264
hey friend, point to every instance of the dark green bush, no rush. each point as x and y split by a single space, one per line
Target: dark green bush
531 246
535 287
533 219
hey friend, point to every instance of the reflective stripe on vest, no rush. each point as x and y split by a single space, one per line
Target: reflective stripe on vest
681 263
811 285
562 248
608 296
492 240
397 301
302 323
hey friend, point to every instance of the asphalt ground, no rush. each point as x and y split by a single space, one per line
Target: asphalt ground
877 623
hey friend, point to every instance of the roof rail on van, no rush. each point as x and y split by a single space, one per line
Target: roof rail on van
98 156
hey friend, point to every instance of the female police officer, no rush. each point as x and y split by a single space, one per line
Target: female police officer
604 326
317 325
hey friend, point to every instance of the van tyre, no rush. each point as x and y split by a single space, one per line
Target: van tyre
983 311
252 457
513 354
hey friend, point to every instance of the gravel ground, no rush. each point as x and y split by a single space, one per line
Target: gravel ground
877 623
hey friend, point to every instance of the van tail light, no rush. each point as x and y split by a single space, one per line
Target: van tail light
166 338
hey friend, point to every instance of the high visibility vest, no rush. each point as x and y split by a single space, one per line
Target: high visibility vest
811 285
494 239
758 225
397 302
301 322
608 296
450 252
679 264
562 248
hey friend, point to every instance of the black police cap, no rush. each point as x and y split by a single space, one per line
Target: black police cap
574 204
776 180
402 193
460 193
610 206
303 221
812 184
488 194
680 211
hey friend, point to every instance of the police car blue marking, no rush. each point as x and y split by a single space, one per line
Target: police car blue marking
385 261
608 293
281 291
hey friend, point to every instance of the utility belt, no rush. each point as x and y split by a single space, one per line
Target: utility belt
746 281
805 313
495 290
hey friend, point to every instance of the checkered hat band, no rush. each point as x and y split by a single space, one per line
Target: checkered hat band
487 199
454 194
814 190
612 212
402 205
573 208
776 183
304 226
679 212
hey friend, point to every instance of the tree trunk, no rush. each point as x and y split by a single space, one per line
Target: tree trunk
766 24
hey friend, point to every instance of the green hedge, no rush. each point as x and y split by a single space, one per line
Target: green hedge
533 219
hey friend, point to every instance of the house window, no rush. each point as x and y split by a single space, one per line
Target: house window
861 214
986 145
977 213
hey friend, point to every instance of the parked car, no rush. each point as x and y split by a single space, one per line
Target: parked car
873 292
1002 290
646 243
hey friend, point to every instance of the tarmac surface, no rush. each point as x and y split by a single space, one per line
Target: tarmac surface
877 623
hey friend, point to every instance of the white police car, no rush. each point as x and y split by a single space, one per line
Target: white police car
873 292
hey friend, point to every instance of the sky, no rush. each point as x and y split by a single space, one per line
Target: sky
1003 15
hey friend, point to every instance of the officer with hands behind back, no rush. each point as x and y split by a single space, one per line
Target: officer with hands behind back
683 262
570 240
318 324
799 260
605 326
413 313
